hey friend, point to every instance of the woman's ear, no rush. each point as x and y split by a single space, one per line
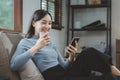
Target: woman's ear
33 23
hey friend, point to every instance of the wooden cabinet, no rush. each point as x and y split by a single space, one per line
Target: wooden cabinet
118 53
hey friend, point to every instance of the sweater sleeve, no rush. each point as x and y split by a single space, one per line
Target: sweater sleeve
61 61
21 56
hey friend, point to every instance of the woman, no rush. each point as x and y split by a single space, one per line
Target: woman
37 46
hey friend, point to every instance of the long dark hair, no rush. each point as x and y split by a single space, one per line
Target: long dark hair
38 15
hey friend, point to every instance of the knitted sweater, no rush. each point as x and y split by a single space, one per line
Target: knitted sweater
47 57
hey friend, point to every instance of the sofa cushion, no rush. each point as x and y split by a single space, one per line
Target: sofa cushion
8 43
4 61
30 72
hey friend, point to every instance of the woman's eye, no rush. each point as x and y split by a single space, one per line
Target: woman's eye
43 22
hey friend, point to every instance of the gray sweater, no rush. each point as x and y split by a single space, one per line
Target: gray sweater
45 58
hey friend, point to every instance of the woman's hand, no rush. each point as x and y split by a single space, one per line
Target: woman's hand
41 42
71 50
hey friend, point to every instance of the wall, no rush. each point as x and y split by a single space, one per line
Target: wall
57 37
29 6
115 26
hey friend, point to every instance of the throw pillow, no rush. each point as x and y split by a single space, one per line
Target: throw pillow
30 72
5 48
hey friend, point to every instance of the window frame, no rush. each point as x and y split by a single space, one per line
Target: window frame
17 17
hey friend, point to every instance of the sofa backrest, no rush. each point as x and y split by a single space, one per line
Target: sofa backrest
8 44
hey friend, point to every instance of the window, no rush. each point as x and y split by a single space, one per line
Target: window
11 15
54 8
6 14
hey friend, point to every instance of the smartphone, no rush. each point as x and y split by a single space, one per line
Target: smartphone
73 40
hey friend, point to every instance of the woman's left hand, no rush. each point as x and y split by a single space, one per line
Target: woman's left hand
71 50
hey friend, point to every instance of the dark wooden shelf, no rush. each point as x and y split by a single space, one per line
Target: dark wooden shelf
90 6
89 29
105 29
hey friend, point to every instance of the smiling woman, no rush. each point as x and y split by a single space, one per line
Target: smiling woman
11 15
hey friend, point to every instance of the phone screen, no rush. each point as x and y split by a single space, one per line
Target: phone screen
73 41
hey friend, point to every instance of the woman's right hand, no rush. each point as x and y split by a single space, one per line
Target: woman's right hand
41 42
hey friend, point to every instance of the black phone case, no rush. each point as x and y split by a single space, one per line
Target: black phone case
73 41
